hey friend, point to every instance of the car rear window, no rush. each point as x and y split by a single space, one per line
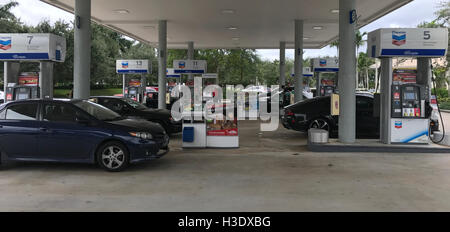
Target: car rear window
26 112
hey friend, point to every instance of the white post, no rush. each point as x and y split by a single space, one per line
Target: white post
46 80
82 50
347 73
162 68
298 65
282 80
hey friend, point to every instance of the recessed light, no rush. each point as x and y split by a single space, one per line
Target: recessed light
149 27
228 11
317 27
232 28
306 38
334 11
121 11
235 38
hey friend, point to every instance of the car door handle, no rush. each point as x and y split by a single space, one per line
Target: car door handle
44 129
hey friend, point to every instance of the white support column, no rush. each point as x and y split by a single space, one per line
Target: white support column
318 84
347 73
143 88
298 65
385 100
82 50
46 80
162 68
282 80
123 84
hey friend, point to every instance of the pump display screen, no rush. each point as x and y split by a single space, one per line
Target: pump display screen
22 96
409 96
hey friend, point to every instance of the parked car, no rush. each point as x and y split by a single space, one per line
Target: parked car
315 113
2 97
77 131
131 108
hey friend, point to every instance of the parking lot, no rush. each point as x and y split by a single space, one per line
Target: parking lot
270 172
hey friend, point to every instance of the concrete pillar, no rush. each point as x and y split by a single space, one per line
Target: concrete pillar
318 84
123 84
385 100
82 50
46 80
162 68
282 80
10 74
190 56
347 73
144 87
298 65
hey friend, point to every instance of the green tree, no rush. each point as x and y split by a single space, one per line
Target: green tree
364 63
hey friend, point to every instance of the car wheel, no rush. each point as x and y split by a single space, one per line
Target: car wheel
320 123
113 156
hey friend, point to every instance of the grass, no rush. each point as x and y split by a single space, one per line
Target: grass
64 93
445 105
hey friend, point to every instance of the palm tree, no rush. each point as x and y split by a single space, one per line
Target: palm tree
359 42
5 10
335 44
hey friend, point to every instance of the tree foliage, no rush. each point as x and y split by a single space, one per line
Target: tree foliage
234 66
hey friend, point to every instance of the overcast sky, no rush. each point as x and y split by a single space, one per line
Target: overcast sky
32 12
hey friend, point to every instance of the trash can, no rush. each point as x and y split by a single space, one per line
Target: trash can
318 136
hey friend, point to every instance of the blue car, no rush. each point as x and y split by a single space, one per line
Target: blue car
77 131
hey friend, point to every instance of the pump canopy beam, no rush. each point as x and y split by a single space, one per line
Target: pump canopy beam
162 60
347 72
82 50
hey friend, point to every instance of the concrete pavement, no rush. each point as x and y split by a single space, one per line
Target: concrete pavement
270 172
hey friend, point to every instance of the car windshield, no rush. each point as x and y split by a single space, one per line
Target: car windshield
97 111
135 104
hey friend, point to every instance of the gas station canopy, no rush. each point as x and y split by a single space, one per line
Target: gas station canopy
257 24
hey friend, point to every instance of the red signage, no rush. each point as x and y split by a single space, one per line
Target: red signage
29 79
226 132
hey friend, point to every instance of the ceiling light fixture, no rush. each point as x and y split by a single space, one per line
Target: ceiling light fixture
232 28
228 11
334 11
317 27
235 38
121 11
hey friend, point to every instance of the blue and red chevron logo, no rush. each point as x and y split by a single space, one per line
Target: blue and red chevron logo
5 43
398 38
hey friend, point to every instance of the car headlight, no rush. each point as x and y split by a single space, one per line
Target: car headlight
142 135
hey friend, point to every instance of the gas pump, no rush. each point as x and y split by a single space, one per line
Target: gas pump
27 88
43 48
405 94
325 87
135 88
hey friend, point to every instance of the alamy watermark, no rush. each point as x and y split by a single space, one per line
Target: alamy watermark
251 103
